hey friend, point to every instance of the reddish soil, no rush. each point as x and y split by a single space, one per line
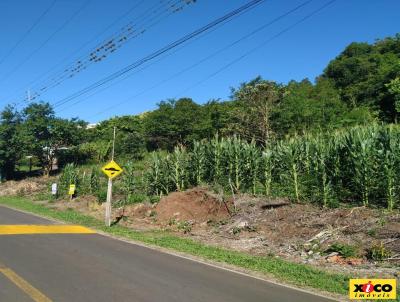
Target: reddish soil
197 205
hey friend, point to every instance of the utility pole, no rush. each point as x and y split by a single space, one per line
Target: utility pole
109 188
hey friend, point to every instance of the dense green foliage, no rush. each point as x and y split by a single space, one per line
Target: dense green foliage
359 165
11 142
361 74
35 131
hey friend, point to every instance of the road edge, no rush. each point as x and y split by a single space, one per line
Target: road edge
215 264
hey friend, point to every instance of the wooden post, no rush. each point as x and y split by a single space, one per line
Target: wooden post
109 191
108 203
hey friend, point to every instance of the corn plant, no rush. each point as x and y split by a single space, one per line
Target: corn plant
322 150
267 163
198 162
388 150
215 151
361 163
289 158
252 158
179 161
69 176
94 180
232 150
361 148
128 182
157 176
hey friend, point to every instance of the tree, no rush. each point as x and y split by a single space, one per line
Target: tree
129 136
11 142
173 122
256 101
47 134
394 88
217 117
361 72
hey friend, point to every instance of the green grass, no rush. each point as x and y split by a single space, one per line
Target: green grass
297 274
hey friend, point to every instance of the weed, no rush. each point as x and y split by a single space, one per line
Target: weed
345 250
172 221
372 232
236 230
185 226
378 252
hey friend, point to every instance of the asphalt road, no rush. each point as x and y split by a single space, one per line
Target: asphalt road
92 267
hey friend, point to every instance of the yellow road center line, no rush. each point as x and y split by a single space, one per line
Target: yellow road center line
24 285
43 229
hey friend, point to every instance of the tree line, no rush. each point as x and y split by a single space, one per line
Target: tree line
360 86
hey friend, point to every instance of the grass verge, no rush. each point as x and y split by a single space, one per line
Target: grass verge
294 273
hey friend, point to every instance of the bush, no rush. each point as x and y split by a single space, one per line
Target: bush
101 196
343 249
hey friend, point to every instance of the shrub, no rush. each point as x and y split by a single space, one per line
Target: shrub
345 250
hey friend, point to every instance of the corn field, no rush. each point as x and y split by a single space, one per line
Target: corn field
86 182
358 166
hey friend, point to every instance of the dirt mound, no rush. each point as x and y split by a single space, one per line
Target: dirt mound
197 205
139 210
22 187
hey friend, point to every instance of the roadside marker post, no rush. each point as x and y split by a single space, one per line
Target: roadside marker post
54 190
112 170
71 191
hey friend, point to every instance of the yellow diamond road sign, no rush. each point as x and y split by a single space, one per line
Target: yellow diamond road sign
112 169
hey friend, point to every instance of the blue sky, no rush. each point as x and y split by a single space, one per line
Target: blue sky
52 45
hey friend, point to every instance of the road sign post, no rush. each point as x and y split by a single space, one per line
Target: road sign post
71 191
112 170
108 203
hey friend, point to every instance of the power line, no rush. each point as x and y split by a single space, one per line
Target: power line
257 47
27 33
250 34
159 52
110 25
150 64
235 60
117 40
58 75
47 40
128 32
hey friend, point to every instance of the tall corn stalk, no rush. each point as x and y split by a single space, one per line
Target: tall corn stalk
69 176
157 176
360 143
198 162
253 158
289 158
179 159
267 167
232 151
321 157
128 181
94 180
215 150
388 149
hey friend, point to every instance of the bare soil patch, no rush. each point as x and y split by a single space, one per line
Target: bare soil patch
197 205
